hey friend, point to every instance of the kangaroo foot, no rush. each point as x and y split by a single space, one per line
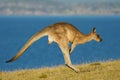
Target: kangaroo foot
73 68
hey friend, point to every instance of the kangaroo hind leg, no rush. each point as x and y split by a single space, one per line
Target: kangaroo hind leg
65 50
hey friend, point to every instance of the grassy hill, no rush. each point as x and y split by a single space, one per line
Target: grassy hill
53 7
94 71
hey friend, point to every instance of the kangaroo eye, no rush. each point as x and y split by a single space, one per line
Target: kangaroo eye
98 36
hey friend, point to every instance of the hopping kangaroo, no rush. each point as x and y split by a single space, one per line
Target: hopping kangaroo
62 34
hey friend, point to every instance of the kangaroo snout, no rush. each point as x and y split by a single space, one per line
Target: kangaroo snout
101 40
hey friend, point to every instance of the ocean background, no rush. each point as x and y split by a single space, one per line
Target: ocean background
16 30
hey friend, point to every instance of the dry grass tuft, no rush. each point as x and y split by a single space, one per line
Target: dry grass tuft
43 75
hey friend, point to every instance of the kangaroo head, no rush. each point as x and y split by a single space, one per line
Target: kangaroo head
96 36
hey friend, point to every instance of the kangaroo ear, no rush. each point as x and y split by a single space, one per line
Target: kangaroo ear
94 30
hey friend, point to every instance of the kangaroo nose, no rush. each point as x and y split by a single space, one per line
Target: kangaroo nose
100 40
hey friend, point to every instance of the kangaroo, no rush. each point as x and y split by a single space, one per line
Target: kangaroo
61 33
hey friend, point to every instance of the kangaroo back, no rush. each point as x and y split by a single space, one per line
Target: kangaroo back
34 38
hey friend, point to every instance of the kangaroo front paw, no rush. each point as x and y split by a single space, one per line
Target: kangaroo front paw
70 50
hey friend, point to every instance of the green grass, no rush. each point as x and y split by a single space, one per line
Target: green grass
94 71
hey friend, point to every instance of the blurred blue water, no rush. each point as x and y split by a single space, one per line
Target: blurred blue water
16 30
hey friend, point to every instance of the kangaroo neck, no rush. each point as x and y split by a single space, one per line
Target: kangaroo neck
83 38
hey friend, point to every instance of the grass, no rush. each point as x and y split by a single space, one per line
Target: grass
94 71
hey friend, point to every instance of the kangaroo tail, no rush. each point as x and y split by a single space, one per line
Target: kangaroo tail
34 38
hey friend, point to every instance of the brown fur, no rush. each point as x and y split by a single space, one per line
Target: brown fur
61 33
